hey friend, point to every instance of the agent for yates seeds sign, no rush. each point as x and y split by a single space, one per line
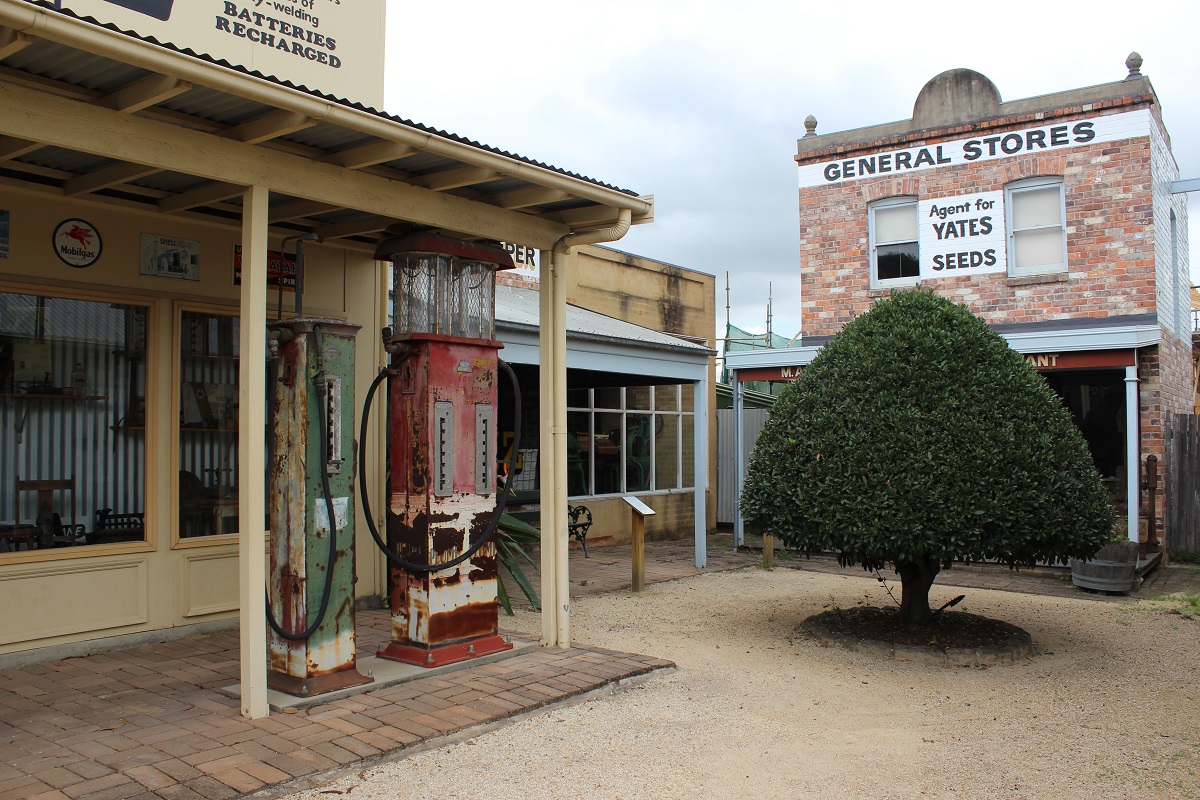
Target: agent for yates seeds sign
335 46
962 235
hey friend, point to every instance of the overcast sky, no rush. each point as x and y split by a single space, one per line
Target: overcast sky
700 103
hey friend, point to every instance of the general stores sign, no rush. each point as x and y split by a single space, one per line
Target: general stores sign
335 46
984 147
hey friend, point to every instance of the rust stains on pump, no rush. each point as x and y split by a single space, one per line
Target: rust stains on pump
445 540
448 580
472 619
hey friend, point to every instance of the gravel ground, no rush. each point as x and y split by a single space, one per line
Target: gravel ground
1105 708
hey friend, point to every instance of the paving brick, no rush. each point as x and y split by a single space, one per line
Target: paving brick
59 777
212 789
265 773
97 785
151 777
357 746
53 794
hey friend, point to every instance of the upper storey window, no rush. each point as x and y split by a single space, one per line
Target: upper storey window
1037 231
894 252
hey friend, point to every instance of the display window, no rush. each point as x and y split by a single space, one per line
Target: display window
207 423
72 421
631 439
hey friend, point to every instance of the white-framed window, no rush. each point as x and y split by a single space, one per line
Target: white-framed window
1037 227
631 439
895 255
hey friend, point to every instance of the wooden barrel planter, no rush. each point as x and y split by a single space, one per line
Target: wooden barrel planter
1112 569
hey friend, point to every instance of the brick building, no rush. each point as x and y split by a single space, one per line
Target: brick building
1051 218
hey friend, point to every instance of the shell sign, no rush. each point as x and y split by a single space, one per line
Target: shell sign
334 46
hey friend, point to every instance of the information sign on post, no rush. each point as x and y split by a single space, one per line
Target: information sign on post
639 512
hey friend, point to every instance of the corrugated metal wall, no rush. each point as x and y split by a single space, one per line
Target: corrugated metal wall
51 431
753 419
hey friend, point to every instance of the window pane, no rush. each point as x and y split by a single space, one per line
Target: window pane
687 394
637 398
666 398
72 422
608 398
208 424
897 261
608 453
1038 248
577 398
637 452
666 451
689 452
896 223
1033 208
579 448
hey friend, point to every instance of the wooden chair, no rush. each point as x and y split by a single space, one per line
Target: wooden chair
48 521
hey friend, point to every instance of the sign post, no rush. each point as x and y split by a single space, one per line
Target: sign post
639 512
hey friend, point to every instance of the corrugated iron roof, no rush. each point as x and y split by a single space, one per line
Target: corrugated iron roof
80 60
96 72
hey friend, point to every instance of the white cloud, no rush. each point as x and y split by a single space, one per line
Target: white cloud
700 103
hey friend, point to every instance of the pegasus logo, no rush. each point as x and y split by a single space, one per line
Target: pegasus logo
80 234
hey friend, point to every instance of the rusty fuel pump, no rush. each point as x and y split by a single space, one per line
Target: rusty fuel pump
310 595
442 497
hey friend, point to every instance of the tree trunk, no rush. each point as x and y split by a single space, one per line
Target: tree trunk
916 578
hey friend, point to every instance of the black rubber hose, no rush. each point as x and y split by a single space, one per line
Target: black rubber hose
501 501
331 561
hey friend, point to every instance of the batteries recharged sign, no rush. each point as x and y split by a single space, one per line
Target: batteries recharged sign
962 235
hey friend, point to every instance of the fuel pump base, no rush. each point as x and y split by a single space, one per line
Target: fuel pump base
312 452
445 654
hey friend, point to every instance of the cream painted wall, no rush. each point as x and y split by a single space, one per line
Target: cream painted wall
74 594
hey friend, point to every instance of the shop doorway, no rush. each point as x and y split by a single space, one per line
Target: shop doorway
1096 400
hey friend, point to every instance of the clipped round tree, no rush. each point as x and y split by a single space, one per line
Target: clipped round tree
917 437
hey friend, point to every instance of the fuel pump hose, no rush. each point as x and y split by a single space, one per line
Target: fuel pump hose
501 500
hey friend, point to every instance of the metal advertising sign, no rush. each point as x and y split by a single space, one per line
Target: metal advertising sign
335 46
77 243
169 257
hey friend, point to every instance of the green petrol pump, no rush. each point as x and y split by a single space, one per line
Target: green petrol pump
310 594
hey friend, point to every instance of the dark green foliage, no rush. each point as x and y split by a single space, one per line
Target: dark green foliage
512 537
917 436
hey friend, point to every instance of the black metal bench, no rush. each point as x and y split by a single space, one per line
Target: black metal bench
579 520
111 527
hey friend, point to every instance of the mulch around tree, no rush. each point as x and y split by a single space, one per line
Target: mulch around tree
955 637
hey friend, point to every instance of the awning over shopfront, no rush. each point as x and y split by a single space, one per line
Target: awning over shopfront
91 112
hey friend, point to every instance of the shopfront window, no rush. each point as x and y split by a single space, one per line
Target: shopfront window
72 422
208 424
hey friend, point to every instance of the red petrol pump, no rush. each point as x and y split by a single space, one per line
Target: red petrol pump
443 505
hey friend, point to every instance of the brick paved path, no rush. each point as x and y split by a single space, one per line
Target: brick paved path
149 722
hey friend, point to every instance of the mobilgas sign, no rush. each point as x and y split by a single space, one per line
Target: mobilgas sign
1028 141
962 235
335 46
